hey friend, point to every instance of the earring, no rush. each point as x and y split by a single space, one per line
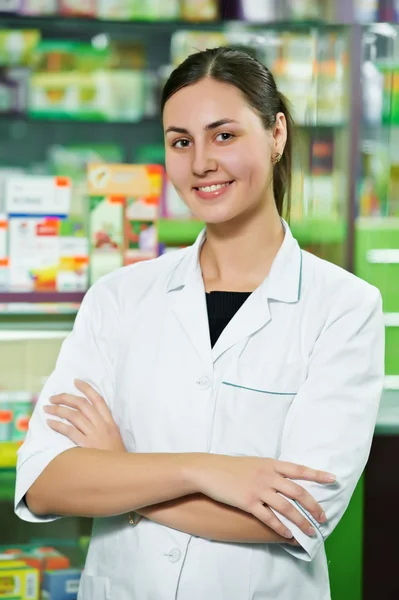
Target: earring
276 159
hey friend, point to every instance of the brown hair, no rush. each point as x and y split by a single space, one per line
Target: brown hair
257 83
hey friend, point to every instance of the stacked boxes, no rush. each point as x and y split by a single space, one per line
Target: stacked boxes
124 208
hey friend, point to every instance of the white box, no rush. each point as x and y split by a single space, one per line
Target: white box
34 254
38 195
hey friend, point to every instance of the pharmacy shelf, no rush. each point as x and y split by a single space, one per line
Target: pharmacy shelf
176 232
39 308
58 24
319 231
12 119
40 297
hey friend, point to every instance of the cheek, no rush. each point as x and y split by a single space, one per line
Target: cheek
248 168
178 169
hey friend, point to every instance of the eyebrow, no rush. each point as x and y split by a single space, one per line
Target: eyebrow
208 127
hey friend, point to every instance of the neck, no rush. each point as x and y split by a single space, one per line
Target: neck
237 256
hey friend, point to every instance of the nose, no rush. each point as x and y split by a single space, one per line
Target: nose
203 161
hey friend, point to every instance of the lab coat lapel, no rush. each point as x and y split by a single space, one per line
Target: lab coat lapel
283 284
251 317
186 294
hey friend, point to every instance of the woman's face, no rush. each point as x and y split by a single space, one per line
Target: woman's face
218 153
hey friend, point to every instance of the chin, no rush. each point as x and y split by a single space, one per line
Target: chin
215 217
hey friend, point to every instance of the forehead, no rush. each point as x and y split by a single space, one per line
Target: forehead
205 102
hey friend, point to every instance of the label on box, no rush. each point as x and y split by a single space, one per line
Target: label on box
72 586
125 180
31 586
31 195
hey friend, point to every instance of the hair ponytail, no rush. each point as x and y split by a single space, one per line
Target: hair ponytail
282 175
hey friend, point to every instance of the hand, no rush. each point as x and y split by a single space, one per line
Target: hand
255 484
91 421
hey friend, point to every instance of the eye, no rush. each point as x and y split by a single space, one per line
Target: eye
182 143
224 137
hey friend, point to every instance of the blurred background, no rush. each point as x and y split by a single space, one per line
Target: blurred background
83 191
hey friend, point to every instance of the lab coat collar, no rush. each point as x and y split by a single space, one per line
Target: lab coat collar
282 284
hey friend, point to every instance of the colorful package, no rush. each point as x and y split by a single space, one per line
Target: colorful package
21 403
33 253
6 419
41 558
199 10
77 8
184 43
18 580
17 46
69 81
15 412
73 269
148 10
141 241
61 585
106 235
124 202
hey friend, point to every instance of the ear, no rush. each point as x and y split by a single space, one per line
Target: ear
279 133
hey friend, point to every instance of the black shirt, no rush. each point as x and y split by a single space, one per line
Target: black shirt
222 306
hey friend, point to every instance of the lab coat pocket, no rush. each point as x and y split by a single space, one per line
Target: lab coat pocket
257 398
93 587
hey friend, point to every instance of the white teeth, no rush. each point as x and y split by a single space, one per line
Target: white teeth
213 188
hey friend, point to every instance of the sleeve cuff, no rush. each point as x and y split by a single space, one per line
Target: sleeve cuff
28 470
309 546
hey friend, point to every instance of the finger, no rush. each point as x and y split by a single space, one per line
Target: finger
95 398
70 432
266 516
289 511
80 404
294 471
296 492
74 417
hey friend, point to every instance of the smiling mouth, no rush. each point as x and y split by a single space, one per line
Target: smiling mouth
214 187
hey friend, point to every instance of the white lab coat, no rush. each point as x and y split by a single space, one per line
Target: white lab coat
296 375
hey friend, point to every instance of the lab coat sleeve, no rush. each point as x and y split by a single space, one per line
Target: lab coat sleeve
85 354
331 421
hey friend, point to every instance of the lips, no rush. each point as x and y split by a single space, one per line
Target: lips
213 190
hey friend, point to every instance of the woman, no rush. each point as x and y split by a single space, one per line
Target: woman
222 369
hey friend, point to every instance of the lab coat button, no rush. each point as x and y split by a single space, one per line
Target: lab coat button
174 555
204 383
